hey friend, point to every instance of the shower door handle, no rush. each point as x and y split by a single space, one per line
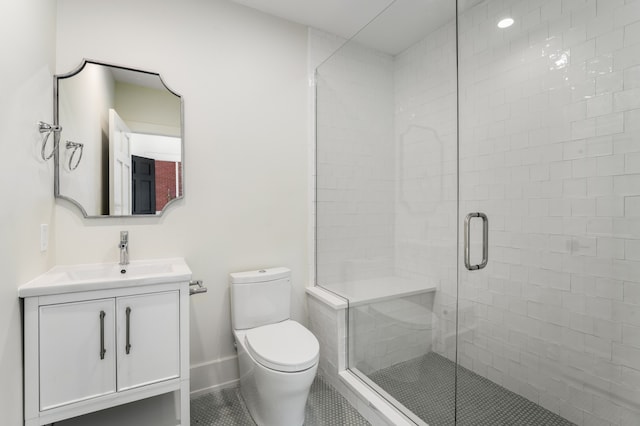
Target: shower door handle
485 241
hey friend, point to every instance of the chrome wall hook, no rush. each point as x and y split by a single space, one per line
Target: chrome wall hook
47 129
75 146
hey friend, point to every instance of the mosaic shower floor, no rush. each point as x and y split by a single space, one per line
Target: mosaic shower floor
425 385
325 406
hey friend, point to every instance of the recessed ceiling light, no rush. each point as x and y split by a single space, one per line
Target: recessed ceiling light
505 23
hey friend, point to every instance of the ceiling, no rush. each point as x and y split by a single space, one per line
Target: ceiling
340 17
403 23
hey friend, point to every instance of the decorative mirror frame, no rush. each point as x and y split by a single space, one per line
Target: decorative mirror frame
56 152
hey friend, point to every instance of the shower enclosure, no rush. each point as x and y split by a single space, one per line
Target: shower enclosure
478 206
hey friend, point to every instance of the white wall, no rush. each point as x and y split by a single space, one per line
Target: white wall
147 110
243 78
26 183
162 148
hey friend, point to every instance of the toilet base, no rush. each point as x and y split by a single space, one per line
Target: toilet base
273 398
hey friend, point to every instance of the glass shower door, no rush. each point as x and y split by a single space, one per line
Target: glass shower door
549 330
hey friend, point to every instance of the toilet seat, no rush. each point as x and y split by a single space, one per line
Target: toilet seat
286 346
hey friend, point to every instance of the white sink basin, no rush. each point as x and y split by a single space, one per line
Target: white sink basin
72 278
109 271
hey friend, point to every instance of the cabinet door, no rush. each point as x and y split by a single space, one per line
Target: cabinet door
77 351
148 339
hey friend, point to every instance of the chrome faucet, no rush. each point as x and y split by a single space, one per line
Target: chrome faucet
124 248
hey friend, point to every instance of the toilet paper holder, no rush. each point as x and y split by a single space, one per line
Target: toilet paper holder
196 287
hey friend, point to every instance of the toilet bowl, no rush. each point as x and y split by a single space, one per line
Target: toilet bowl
278 357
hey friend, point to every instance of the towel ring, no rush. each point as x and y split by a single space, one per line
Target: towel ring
75 146
47 129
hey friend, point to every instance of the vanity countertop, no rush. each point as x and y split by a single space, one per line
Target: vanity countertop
99 276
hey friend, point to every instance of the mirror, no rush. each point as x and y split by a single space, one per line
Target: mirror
120 151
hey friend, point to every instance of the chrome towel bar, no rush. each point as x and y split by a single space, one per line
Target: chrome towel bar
196 287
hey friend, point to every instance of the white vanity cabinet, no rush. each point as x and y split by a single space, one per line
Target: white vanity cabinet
94 345
72 365
148 343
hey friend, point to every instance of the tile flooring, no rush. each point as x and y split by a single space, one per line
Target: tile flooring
425 385
325 406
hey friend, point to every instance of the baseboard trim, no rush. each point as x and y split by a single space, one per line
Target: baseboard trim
200 392
214 375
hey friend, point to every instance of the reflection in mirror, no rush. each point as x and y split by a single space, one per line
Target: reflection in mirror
130 125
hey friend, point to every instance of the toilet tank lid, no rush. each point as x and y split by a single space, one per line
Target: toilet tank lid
261 275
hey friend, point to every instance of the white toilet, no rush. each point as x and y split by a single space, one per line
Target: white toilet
278 357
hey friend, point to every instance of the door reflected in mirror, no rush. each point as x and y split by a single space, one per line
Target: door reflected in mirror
131 126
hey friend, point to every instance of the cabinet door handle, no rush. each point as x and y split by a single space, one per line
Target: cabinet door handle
102 349
128 345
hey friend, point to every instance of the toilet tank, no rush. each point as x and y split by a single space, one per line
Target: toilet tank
260 297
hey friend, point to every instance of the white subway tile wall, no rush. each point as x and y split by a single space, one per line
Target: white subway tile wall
329 327
355 193
548 120
386 333
425 126
549 148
